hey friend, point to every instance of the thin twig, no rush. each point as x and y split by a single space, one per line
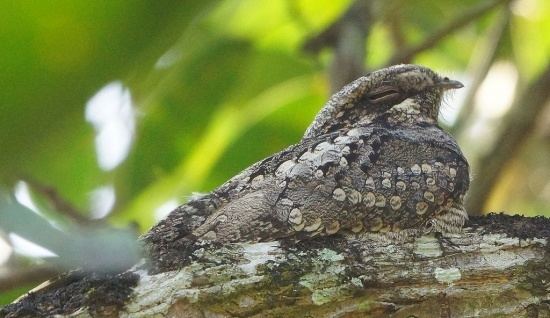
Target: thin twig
517 126
480 67
433 39
396 29
59 204
14 277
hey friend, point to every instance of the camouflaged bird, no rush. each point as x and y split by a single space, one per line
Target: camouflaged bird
373 160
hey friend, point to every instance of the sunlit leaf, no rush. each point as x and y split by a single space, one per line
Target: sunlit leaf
531 42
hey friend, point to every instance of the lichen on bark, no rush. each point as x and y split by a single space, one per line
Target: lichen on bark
498 267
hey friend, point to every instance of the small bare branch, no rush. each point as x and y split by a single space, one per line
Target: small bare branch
16 277
517 126
396 30
59 204
433 39
480 67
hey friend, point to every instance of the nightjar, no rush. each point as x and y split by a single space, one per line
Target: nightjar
373 160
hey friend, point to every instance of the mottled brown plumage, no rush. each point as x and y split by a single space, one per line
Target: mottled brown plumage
373 160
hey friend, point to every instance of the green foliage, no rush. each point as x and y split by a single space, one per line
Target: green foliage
216 85
10 296
91 248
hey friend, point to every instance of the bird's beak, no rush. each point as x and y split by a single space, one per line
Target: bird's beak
450 84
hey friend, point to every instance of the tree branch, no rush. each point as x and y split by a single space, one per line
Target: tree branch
394 21
470 15
59 204
12 277
500 266
517 125
480 67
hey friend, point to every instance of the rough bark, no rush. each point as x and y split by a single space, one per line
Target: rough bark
499 267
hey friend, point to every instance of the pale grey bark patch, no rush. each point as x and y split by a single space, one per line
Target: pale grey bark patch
498 267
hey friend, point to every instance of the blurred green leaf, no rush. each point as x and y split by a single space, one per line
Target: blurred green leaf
9 296
277 24
531 43
217 86
94 248
53 56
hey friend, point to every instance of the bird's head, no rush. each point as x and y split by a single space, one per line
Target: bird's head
399 94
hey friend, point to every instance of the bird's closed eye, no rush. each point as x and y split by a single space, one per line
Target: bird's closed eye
384 94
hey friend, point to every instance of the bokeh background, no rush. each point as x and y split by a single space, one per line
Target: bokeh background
114 112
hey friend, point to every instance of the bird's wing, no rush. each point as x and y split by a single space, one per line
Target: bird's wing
169 241
370 178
